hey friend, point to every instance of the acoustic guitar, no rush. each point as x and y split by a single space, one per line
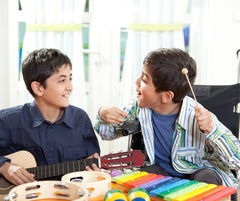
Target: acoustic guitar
111 161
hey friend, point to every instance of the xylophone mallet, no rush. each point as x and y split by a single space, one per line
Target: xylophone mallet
185 72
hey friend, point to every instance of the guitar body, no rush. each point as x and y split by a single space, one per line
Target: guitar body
22 158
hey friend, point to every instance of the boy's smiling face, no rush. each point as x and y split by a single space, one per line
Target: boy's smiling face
146 91
58 88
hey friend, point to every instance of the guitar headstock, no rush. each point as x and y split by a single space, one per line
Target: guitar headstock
123 160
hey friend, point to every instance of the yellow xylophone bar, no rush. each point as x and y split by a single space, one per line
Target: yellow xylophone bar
131 177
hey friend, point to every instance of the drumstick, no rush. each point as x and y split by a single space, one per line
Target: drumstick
185 72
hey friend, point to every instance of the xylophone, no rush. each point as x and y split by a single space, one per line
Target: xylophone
169 188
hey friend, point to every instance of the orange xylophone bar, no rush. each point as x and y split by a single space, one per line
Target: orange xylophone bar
172 189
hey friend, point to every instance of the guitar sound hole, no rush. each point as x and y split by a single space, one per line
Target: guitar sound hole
77 179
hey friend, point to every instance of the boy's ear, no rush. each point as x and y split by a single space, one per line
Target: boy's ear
167 96
36 87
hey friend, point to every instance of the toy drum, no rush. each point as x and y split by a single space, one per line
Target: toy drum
48 190
98 183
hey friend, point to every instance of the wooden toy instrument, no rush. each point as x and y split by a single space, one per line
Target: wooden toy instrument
97 183
169 188
48 190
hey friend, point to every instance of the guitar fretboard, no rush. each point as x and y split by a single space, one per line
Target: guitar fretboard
59 169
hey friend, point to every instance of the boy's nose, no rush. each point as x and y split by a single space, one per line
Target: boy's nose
70 86
137 81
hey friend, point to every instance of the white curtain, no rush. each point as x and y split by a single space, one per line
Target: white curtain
152 24
104 61
214 40
56 24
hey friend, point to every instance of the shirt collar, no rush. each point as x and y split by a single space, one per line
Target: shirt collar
188 105
67 117
38 118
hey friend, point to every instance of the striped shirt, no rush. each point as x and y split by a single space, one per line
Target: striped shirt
191 148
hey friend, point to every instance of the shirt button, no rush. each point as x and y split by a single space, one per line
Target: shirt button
51 148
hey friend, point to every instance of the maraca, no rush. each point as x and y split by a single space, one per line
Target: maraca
115 195
138 194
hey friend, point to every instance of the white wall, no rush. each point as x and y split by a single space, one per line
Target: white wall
8 52
215 38
4 53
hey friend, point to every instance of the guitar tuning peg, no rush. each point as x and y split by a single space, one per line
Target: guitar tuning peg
136 168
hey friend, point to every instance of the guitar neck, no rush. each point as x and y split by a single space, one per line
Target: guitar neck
59 169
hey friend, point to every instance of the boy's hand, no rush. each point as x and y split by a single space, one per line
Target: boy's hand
94 166
16 174
204 119
111 114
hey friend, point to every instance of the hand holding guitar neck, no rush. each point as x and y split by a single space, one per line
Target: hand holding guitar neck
185 72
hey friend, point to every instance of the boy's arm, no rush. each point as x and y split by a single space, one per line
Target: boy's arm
109 120
108 128
111 114
225 145
14 173
3 160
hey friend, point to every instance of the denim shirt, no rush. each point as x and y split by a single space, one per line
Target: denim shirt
24 128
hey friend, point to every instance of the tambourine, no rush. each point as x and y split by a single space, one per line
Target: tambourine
98 183
48 190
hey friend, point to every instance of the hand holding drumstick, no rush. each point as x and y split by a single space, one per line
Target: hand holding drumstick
203 116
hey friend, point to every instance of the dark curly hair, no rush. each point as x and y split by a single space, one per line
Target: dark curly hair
165 66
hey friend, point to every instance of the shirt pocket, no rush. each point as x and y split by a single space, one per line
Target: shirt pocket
74 153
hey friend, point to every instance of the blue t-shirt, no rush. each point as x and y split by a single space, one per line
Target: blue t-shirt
163 126
24 128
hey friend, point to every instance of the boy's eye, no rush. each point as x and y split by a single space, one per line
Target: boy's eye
143 79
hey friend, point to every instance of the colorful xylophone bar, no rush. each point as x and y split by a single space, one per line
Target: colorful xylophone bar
168 188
